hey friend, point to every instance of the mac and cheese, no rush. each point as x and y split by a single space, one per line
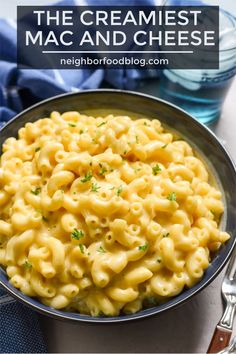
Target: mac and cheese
105 215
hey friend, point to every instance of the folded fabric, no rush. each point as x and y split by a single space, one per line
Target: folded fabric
20 330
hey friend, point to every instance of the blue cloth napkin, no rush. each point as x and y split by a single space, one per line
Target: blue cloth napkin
20 330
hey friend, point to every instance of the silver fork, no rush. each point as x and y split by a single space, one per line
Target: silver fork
223 330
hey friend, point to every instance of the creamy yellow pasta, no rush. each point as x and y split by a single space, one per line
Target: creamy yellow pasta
105 215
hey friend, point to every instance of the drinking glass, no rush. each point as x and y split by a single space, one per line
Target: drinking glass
202 92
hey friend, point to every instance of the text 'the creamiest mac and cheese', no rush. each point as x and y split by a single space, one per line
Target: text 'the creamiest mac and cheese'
104 215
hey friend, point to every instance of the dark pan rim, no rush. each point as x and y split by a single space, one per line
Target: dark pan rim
173 302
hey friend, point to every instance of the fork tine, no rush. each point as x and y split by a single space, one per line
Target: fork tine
231 268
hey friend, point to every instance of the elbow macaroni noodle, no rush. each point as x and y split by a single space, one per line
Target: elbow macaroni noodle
105 215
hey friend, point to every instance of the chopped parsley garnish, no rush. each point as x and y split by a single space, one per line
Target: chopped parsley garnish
147 125
81 131
73 125
158 260
77 234
156 169
27 265
101 250
101 124
95 187
87 177
81 246
103 170
119 190
143 248
164 146
136 139
36 191
45 219
37 149
100 314
166 235
172 197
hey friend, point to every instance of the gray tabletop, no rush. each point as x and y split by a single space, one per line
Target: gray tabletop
186 329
